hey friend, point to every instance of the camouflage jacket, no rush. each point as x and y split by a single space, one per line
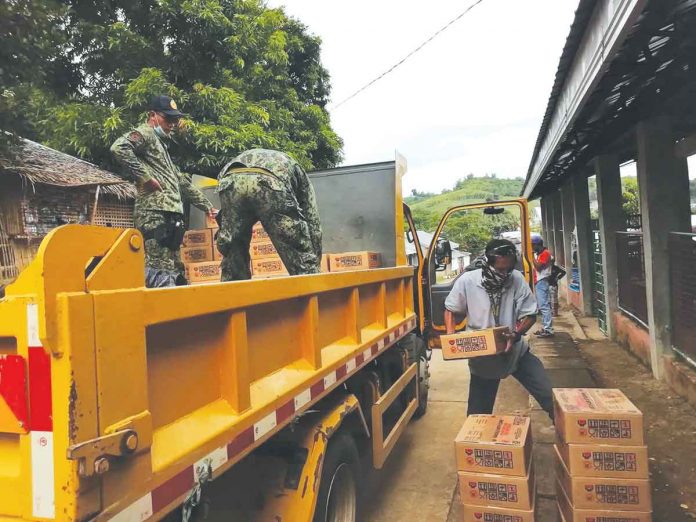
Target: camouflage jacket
288 171
144 156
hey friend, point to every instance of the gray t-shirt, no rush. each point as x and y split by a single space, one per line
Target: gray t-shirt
468 297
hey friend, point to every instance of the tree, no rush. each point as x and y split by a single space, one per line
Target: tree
630 196
248 76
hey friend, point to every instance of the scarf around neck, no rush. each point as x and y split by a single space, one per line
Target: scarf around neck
493 282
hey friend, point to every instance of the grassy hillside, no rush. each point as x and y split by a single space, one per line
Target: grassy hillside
468 190
471 230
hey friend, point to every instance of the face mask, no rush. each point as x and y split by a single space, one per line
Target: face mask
160 132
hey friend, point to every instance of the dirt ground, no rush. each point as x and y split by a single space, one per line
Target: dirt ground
419 483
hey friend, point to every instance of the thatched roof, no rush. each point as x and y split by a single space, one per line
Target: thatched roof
40 164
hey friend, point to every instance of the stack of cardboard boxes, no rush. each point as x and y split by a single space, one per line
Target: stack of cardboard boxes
494 463
200 255
601 457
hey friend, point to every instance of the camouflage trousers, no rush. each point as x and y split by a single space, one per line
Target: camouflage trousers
163 266
249 198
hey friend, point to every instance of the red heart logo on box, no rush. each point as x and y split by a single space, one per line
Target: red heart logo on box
586 454
589 487
472 485
582 422
468 451
452 342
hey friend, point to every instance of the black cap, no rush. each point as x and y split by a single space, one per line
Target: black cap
165 105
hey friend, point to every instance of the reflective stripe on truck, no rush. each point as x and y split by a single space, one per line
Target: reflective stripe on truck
183 483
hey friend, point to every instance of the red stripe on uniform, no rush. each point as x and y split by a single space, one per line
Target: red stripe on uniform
240 442
175 487
341 372
40 406
286 411
316 389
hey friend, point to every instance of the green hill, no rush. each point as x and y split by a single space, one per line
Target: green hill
468 190
471 230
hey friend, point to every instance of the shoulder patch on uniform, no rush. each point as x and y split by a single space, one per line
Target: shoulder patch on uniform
136 138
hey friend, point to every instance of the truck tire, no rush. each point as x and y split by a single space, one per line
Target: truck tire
338 489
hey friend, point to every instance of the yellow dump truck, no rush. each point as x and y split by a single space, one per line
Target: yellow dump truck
252 400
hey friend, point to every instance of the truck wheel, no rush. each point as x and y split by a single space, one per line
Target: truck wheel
423 387
338 489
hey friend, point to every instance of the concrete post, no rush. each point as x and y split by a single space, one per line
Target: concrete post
583 224
544 217
611 219
558 231
568 216
663 179
550 222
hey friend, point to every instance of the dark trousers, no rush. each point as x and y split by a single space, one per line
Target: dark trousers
530 374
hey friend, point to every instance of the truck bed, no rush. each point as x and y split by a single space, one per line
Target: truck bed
202 375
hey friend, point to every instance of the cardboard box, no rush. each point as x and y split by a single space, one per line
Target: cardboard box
268 267
597 416
570 514
262 249
258 234
196 254
603 493
496 514
210 222
500 444
197 238
354 261
325 263
208 271
473 343
486 489
603 460
217 256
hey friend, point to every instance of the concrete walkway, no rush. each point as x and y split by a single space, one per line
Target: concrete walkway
419 481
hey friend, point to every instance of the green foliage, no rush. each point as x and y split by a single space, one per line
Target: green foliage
247 75
472 230
630 196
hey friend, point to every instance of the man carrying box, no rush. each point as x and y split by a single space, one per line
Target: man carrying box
491 296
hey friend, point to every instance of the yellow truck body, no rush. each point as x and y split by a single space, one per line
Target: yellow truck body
119 402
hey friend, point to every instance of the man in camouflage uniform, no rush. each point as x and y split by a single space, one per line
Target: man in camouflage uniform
162 190
267 186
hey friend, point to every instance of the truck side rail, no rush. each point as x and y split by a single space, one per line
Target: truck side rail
152 392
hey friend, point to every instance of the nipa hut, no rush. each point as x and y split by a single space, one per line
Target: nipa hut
41 188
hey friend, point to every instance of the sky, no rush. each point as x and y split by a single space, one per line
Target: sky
471 101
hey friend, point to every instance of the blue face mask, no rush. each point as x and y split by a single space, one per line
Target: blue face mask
160 132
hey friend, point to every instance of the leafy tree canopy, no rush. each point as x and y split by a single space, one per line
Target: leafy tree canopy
75 74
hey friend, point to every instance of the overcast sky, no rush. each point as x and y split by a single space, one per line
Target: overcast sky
470 102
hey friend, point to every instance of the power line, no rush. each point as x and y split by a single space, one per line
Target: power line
426 42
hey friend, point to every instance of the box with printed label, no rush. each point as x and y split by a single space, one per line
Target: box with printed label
196 254
496 514
474 343
258 234
486 489
354 261
597 416
262 249
197 238
500 444
603 493
603 460
572 514
210 222
268 267
203 272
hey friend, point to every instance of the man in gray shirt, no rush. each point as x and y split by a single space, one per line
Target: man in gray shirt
498 295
